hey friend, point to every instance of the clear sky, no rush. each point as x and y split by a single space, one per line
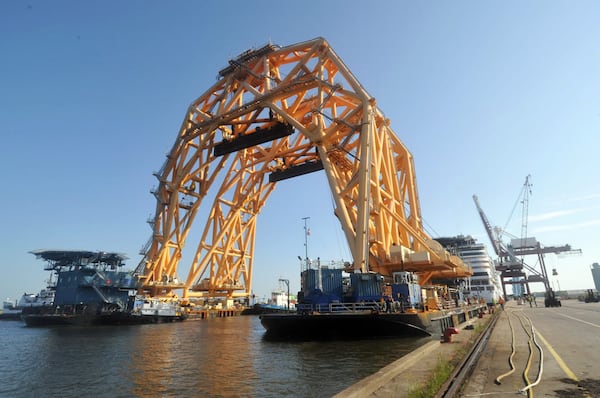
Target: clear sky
92 95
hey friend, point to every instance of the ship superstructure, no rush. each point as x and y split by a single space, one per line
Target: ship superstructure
91 287
485 281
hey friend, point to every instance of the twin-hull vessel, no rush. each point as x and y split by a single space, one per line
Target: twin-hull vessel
92 288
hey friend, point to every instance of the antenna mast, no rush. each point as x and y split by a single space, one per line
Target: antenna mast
525 212
306 233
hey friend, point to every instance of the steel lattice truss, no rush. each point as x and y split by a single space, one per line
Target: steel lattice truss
276 113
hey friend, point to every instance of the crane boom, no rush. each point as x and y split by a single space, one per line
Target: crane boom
512 267
496 244
525 211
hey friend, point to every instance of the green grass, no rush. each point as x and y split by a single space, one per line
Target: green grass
478 329
439 375
443 369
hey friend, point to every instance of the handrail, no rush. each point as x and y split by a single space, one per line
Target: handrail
339 307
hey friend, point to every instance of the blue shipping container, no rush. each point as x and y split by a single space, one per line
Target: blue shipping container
331 282
365 287
410 293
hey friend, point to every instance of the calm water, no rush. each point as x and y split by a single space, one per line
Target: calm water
225 357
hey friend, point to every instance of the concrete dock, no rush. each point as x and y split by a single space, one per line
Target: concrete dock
568 338
410 372
560 358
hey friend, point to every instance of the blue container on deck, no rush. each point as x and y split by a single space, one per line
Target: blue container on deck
365 287
408 293
331 283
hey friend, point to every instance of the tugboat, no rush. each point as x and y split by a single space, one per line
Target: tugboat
280 302
92 288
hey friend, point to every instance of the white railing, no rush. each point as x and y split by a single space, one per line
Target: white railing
340 307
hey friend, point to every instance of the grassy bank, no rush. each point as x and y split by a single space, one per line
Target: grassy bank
444 368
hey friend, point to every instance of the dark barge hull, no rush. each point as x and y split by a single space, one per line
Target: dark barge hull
331 326
40 320
12 316
364 325
50 320
259 309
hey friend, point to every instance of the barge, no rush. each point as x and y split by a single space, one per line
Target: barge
336 305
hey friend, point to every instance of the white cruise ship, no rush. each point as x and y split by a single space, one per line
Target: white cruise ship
485 282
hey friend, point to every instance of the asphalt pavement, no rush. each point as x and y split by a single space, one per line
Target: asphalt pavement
554 353
532 351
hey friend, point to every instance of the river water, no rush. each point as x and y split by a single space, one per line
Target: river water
223 357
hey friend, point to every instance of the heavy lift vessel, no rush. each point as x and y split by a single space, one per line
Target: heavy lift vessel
91 288
276 113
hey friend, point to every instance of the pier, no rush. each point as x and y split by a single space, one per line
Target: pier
213 313
564 354
553 353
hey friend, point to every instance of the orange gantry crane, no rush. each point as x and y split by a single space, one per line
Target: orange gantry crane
276 113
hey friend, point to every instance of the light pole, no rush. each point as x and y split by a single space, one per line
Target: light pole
287 283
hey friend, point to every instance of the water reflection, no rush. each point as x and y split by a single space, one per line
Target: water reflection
67 361
225 357
200 358
322 369
153 360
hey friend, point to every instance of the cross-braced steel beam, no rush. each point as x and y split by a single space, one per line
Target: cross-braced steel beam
275 113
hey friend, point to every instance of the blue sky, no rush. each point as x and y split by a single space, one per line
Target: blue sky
92 95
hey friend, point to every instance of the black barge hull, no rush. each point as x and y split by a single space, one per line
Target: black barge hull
49 316
336 326
117 318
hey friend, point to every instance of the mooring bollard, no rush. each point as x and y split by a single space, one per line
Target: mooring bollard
447 336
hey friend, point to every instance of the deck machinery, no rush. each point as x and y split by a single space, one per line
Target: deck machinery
276 113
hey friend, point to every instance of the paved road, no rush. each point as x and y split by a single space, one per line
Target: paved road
569 343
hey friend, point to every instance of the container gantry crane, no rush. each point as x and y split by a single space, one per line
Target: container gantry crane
510 266
276 113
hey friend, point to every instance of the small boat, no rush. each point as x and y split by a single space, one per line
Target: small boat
13 310
44 298
10 311
280 302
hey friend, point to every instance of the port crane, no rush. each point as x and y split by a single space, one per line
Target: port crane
511 263
276 113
